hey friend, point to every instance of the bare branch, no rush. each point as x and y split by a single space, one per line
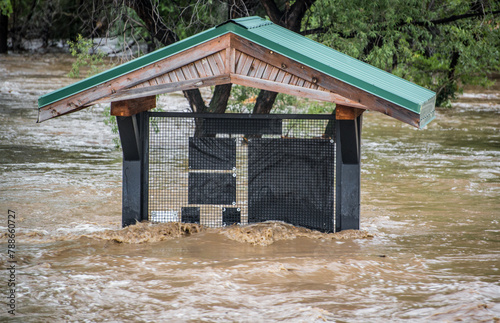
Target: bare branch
450 19
272 11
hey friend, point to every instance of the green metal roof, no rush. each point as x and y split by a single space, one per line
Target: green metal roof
292 45
130 66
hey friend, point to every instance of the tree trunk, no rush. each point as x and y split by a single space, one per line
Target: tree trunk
152 20
157 28
4 26
290 18
218 103
264 102
195 100
448 90
236 9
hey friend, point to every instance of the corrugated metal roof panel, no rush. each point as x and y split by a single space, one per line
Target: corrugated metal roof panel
250 22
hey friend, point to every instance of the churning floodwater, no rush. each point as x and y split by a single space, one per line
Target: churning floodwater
429 249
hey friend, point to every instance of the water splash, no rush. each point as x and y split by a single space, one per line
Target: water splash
148 232
267 233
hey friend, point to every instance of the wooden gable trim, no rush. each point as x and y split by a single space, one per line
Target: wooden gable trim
134 93
293 90
369 101
91 96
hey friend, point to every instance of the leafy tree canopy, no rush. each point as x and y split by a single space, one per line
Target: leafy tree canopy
5 7
439 44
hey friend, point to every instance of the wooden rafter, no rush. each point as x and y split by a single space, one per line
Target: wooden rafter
98 93
134 93
294 90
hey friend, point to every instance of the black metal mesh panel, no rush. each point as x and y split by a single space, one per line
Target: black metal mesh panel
216 170
212 153
212 188
291 180
250 126
190 214
231 215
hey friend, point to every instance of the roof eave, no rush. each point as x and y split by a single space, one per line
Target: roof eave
130 66
373 89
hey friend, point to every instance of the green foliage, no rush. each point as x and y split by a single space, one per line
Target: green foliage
86 57
110 121
82 49
242 99
187 17
45 20
129 31
316 107
414 39
6 7
285 103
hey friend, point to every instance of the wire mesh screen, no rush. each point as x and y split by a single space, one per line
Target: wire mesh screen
239 169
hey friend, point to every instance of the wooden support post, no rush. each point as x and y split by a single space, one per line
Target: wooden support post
128 108
347 113
132 130
348 145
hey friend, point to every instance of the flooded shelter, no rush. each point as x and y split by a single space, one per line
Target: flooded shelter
221 169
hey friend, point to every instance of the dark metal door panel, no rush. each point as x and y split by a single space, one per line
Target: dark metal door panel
292 180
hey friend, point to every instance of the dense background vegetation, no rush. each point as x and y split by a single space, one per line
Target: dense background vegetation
439 44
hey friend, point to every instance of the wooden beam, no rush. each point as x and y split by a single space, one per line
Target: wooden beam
293 90
343 112
127 108
128 94
94 94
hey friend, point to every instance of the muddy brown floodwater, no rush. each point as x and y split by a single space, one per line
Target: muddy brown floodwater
429 250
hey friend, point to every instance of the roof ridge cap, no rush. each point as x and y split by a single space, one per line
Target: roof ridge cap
250 22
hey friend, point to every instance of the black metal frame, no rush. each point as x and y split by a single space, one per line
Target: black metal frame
348 174
134 132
